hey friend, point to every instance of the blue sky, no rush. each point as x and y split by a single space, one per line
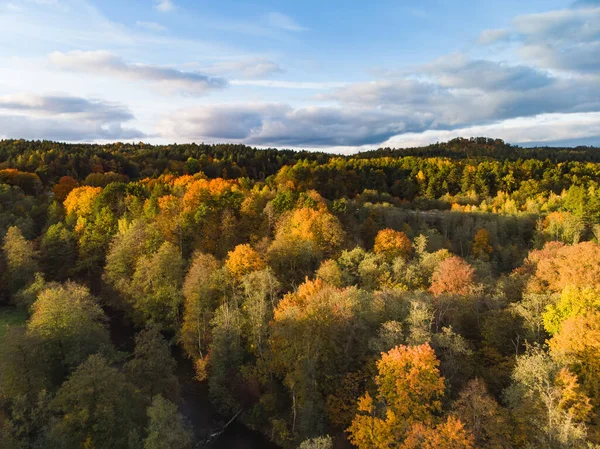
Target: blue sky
333 75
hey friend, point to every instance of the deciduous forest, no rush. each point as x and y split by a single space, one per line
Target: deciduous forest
438 297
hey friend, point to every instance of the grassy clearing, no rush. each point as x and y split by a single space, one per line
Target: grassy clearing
11 316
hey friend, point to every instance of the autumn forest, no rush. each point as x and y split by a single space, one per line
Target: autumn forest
441 297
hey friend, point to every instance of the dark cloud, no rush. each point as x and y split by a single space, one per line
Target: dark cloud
282 125
458 71
64 118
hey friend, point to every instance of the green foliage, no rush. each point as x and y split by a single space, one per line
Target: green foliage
167 429
152 368
21 260
96 407
70 325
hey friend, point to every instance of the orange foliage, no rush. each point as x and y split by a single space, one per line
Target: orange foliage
80 200
29 182
453 275
243 260
204 190
392 244
558 266
63 187
300 299
450 434
411 387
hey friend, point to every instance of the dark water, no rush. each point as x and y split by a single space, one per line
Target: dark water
194 404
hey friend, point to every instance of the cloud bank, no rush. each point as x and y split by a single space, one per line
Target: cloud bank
64 118
166 79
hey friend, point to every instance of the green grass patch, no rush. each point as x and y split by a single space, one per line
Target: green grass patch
11 316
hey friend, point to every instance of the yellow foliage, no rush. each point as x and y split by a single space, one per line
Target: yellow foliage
80 200
244 260
392 244
317 226
203 190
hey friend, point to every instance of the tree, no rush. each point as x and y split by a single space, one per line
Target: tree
70 324
547 404
317 226
573 301
243 260
24 369
329 271
63 187
152 368
409 391
392 244
532 309
202 291
96 407
260 298
449 434
315 335
325 442
577 345
482 415
557 266
80 201
167 428
155 290
58 252
21 260
226 355
481 245
453 275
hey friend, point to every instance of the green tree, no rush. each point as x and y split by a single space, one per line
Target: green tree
546 402
58 252
70 324
152 368
167 428
97 408
155 290
20 258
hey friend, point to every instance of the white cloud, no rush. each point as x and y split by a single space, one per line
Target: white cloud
488 37
279 20
544 129
168 79
245 68
164 5
279 84
566 40
150 26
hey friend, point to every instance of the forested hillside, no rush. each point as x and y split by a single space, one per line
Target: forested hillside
438 297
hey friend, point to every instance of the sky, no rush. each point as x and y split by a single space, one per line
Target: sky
340 76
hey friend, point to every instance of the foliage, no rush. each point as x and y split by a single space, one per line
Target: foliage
167 429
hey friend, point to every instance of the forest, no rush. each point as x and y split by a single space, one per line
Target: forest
438 297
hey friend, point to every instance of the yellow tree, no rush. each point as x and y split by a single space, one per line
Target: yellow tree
80 200
409 391
392 244
481 245
577 345
243 260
